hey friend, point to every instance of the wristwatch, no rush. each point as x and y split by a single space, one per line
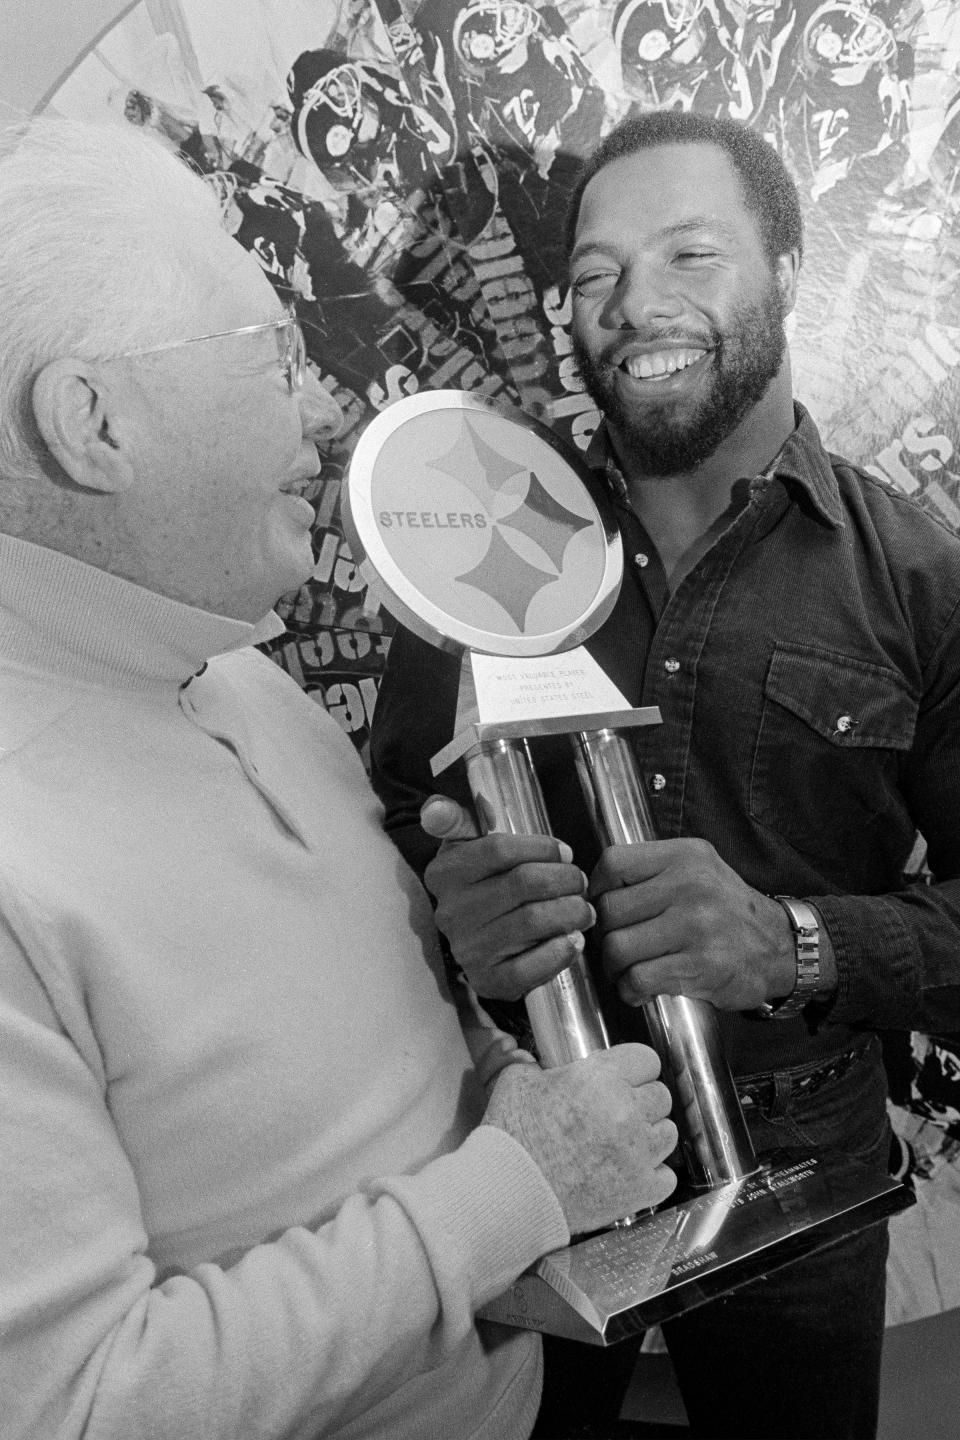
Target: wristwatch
806 935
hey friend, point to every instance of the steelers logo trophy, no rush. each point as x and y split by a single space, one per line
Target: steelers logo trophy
474 526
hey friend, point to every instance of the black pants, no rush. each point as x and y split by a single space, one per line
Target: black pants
794 1356
583 1389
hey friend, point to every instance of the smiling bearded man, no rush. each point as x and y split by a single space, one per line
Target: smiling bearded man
797 623
669 439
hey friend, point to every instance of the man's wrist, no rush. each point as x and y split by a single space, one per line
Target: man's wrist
814 962
828 961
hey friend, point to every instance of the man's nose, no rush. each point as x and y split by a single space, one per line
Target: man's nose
648 296
320 416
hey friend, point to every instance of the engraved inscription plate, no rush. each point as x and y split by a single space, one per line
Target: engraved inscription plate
622 1281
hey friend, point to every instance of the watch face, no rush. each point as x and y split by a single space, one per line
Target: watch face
476 527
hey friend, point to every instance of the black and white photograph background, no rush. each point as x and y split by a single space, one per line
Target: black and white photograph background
401 170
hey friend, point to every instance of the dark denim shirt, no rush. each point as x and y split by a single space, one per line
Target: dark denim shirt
807 670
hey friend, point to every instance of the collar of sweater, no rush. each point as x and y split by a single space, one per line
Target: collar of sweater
60 613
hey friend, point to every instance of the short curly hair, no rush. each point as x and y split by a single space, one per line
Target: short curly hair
768 188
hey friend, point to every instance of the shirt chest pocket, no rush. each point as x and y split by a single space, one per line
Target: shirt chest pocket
831 734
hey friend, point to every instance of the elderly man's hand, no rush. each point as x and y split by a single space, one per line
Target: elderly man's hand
676 920
513 907
597 1128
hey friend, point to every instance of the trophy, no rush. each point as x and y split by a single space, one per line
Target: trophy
475 527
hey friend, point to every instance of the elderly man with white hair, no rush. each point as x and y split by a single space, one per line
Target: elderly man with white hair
254 1182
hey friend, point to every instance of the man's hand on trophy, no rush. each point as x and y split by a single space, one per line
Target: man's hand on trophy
513 907
597 1128
676 920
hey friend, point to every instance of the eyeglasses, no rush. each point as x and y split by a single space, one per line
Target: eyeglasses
291 346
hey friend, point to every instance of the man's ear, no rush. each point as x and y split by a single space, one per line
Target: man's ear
72 408
788 273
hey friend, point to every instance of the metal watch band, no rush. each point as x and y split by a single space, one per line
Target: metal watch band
806 936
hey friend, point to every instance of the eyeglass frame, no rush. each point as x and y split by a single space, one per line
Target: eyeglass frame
293 359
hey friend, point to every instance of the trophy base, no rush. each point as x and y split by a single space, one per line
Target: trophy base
623 1281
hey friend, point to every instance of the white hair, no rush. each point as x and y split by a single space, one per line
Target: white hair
92 256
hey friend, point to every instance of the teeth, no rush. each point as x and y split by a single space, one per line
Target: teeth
663 362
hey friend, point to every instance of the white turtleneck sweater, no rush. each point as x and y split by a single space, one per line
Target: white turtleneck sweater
241 1191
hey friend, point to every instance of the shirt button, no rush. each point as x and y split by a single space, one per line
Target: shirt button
658 782
671 666
641 559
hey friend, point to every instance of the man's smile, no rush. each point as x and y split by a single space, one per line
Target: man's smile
660 364
660 367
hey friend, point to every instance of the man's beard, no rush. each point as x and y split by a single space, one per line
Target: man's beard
674 438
